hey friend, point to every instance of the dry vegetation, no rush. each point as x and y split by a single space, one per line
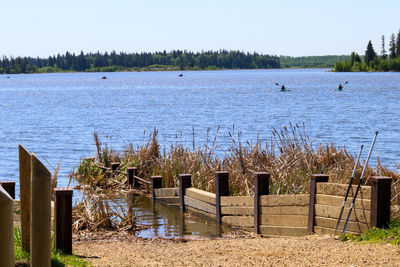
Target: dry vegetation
289 156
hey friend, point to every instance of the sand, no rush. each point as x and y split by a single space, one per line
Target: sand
314 250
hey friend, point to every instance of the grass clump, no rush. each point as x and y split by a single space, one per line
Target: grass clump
57 258
391 234
289 155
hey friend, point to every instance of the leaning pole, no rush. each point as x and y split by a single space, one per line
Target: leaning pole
40 214
6 229
25 195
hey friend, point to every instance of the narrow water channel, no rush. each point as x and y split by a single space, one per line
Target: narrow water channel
167 221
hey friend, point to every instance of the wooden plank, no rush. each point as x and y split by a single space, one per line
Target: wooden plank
237 201
169 200
200 212
341 189
330 200
283 231
242 221
200 205
284 220
285 210
285 200
237 210
357 215
166 192
327 231
331 223
25 195
201 195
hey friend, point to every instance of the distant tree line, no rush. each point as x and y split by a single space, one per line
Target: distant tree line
311 61
371 60
113 61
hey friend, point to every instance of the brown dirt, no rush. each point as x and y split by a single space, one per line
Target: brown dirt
312 250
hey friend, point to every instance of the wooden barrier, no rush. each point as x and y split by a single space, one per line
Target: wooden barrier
156 182
185 181
261 187
40 214
63 219
25 196
221 189
6 229
9 186
289 215
314 179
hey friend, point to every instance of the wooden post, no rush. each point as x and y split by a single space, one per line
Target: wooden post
25 196
131 173
185 181
315 178
221 189
6 229
9 186
40 214
63 219
261 187
156 182
380 201
114 166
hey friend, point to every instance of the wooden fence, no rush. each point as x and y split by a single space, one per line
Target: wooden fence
282 215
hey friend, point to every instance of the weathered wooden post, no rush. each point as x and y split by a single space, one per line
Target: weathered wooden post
221 189
9 186
185 181
40 214
261 187
6 229
25 195
63 219
315 178
131 173
114 166
380 201
156 182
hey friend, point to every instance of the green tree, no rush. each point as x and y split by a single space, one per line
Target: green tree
369 53
392 47
398 44
383 50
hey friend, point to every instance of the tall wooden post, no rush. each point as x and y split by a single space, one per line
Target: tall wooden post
315 178
114 166
261 187
9 186
40 214
131 173
380 201
185 181
25 195
6 229
63 219
156 182
221 189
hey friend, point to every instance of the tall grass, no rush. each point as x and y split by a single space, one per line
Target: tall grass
290 156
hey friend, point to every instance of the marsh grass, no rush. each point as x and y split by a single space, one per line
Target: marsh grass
290 156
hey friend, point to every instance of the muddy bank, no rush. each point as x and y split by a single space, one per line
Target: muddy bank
305 251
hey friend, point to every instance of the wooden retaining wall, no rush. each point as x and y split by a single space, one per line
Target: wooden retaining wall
284 215
329 200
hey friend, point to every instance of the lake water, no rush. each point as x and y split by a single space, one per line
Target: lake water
55 115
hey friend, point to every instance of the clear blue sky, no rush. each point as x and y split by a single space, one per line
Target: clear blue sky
286 27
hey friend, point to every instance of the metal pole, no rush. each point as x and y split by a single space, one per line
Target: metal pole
359 182
348 188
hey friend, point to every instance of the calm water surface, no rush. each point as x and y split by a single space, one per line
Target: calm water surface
55 115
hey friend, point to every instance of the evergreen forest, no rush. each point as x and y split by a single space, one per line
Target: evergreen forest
110 62
386 60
